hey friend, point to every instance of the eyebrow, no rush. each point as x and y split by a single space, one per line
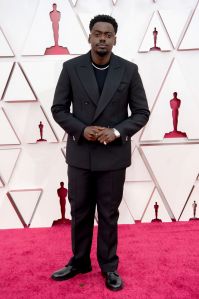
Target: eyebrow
103 31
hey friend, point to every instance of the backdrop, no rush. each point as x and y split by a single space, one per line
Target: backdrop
164 170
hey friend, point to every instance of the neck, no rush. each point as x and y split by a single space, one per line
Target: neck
100 60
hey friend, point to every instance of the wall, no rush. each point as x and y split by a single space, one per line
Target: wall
164 170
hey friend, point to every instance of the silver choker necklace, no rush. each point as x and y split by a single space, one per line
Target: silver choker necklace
100 68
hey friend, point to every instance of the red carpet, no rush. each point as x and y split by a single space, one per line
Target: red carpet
157 261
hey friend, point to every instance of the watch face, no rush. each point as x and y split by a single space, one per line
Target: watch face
117 134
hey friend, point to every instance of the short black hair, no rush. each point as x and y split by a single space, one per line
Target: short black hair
103 18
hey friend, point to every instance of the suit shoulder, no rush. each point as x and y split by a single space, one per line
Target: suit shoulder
75 60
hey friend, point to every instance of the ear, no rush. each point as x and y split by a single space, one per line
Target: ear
89 38
115 40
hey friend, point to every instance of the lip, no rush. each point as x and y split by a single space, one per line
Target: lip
101 46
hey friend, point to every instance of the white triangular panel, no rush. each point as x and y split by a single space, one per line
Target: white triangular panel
129 36
153 68
179 18
7 134
137 171
36 166
5 49
160 121
6 67
188 210
8 160
163 40
191 38
26 202
63 150
189 64
45 89
125 215
65 137
8 216
175 168
41 33
114 2
150 211
18 88
27 126
136 196
1 182
57 172
74 2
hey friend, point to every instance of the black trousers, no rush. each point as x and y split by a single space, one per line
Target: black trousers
86 189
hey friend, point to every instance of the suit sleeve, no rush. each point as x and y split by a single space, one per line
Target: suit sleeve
138 106
61 108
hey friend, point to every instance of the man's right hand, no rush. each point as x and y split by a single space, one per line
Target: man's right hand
91 132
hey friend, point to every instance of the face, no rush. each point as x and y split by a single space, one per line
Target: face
102 38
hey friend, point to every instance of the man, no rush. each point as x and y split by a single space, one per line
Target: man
99 86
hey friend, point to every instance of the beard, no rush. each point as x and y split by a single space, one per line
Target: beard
102 53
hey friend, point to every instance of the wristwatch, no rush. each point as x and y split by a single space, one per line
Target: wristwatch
116 132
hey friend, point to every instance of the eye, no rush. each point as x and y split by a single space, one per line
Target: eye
108 34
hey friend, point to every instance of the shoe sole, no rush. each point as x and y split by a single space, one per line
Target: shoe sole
71 275
115 289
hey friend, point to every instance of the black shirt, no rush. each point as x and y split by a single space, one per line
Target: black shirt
100 74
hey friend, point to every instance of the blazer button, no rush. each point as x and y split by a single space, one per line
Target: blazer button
86 102
74 138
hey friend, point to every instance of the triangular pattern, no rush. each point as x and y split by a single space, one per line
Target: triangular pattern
45 89
18 89
191 38
164 172
182 161
188 211
27 125
57 172
2 184
74 2
163 39
41 33
137 171
189 64
6 67
157 126
178 17
136 196
162 212
129 35
153 69
8 160
8 216
25 203
5 49
7 134
63 150
125 214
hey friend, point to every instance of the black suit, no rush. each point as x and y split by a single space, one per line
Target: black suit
97 171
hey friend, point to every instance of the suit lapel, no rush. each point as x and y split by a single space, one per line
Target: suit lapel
113 79
86 74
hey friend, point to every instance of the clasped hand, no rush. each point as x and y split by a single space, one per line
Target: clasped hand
102 134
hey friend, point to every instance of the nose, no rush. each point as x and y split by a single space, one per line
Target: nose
102 38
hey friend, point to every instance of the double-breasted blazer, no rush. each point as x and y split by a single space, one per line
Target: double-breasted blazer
122 105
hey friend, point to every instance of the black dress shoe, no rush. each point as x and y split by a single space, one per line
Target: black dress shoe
113 281
68 272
